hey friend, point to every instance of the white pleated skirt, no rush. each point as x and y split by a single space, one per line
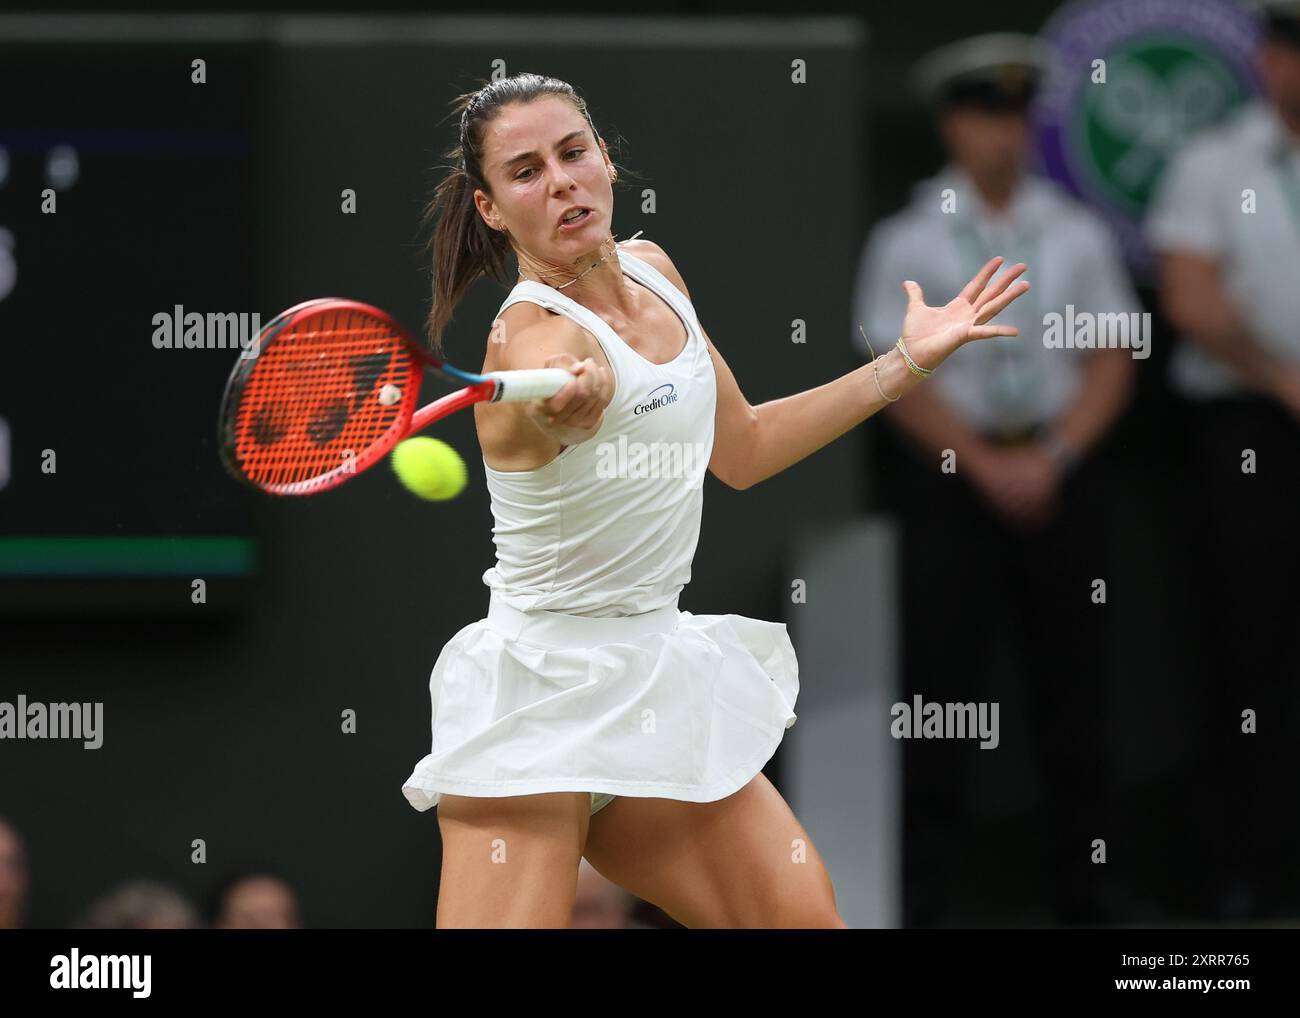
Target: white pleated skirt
666 704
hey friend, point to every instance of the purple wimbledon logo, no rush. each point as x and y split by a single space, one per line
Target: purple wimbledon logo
1131 81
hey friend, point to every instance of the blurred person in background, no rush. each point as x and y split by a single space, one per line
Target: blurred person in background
1225 221
256 901
994 475
13 878
602 904
141 905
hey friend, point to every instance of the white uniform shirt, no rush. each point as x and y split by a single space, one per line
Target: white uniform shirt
1007 383
610 526
1199 209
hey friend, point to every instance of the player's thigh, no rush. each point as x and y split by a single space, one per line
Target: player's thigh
510 861
743 861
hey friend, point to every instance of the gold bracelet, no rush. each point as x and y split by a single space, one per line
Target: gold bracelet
915 368
875 373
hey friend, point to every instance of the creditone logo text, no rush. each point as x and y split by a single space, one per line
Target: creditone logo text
657 397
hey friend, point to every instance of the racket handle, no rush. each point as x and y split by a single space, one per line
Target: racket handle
531 383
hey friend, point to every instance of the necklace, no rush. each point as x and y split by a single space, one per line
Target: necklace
592 265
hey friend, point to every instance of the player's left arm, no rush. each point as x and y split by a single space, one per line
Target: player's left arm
752 443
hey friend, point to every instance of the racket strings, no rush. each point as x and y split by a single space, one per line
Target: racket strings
311 406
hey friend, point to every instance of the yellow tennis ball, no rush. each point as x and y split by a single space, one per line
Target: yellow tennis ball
429 468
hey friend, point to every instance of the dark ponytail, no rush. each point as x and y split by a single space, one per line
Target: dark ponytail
464 248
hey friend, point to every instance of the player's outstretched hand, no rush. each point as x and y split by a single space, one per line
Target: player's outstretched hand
932 334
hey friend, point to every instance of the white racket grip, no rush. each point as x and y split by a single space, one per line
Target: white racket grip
531 383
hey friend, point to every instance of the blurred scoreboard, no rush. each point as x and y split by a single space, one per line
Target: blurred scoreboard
126 189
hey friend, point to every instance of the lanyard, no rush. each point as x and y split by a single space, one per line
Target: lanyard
1008 371
1287 176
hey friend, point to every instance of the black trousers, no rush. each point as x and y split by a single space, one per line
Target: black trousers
967 580
1247 548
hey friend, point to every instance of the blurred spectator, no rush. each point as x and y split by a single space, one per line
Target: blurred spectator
601 904
13 878
992 470
1226 221
141 905
256 901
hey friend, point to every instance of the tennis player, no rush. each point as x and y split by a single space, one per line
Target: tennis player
587 715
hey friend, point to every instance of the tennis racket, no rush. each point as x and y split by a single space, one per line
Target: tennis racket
331 386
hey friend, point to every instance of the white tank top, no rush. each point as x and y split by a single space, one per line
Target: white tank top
609 527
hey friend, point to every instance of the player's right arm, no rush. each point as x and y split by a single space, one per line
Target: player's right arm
523 436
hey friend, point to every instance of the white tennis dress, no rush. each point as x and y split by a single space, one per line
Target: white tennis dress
585 676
